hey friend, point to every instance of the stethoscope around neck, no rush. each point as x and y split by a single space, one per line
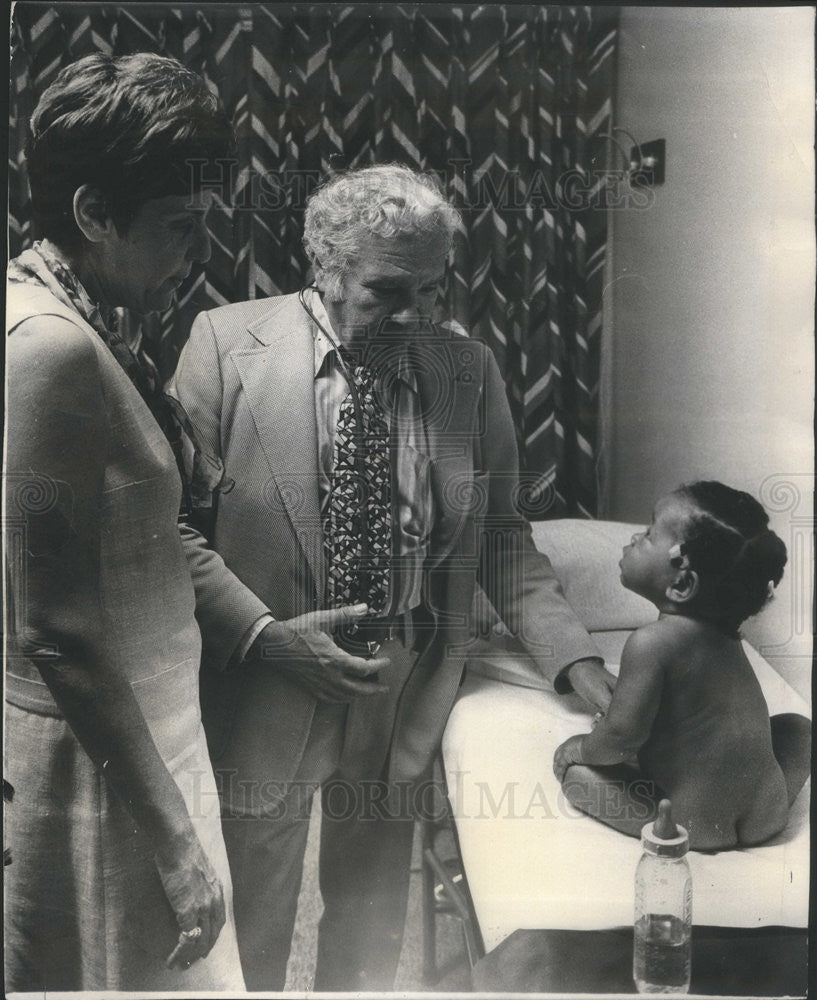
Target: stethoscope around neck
344 367
359 431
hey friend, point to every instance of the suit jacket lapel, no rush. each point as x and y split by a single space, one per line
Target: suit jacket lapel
449 384
278 381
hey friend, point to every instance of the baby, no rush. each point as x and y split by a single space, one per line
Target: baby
687 704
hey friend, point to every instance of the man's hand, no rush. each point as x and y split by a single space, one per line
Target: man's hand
593 682
570 752
302 649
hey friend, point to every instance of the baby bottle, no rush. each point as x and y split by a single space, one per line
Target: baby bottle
663 908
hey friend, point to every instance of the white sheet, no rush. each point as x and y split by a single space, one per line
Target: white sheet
532 860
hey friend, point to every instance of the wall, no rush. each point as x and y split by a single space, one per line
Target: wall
710 297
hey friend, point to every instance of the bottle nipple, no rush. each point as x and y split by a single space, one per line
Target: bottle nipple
664 827
663 837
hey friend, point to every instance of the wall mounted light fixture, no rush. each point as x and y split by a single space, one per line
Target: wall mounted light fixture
645 162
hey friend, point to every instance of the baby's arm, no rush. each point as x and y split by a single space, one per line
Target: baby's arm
632 711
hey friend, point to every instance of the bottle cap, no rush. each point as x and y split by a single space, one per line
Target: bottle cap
664 837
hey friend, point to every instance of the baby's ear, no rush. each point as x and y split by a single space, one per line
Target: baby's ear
684 588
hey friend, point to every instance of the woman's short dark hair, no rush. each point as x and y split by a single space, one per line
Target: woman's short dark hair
135 127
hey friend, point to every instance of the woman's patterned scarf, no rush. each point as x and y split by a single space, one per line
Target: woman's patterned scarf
41 266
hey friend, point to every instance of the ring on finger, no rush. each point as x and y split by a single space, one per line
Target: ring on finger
192 934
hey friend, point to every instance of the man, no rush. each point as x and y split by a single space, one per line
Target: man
370 467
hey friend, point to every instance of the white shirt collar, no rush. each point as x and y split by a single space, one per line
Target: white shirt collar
323 345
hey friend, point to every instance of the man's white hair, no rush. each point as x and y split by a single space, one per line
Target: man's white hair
388 200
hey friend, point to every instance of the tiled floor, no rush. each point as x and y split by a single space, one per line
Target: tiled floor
450 949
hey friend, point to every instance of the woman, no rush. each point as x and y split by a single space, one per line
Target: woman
119 878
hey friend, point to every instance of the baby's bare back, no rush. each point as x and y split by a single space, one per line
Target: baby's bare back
710 747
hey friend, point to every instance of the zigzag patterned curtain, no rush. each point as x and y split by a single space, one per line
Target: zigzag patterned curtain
504 102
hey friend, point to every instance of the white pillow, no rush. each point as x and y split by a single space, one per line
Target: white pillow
585 557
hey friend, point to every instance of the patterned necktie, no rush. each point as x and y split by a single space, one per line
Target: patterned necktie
353 575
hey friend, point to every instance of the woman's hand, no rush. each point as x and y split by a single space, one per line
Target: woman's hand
196 895
570 752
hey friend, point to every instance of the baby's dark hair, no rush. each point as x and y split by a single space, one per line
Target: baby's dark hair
736 555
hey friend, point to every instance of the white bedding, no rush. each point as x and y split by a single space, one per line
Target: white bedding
532 860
